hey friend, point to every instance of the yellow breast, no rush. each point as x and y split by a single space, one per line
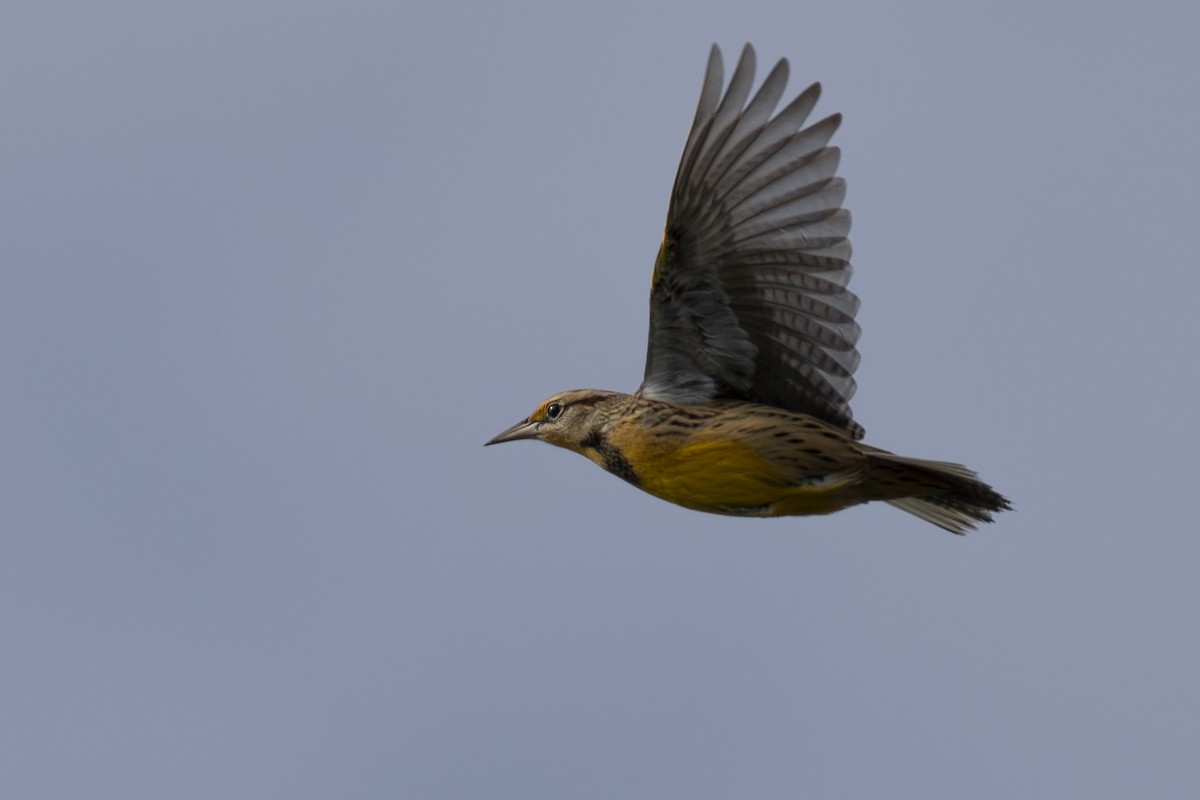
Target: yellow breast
728 476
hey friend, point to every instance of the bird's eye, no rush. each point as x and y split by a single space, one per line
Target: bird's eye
554 410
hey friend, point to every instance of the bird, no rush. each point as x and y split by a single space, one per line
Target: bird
744 406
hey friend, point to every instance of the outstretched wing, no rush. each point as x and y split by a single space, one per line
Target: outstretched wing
749 297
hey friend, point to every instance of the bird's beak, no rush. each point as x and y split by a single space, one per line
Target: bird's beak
525 429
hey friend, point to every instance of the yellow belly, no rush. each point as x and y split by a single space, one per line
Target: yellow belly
728 477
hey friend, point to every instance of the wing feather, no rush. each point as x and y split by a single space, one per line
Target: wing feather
749 296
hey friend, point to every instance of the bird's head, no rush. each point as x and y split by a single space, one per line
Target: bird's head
566 419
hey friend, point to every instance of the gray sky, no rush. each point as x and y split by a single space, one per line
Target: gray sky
272 273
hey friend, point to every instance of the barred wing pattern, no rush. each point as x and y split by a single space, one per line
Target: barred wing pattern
749 297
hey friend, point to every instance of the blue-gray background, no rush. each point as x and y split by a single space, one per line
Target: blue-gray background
270 274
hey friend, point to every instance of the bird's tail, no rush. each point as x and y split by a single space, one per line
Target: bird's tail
948 495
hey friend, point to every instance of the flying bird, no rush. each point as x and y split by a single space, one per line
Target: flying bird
744 406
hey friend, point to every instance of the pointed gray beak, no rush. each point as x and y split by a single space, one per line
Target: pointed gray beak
522 430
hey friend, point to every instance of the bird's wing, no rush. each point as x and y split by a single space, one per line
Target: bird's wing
749 297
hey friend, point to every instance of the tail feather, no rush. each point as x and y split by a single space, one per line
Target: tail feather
948 495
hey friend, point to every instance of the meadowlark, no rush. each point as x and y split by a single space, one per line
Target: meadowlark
744 406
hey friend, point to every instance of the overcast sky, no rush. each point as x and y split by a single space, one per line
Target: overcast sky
271 273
